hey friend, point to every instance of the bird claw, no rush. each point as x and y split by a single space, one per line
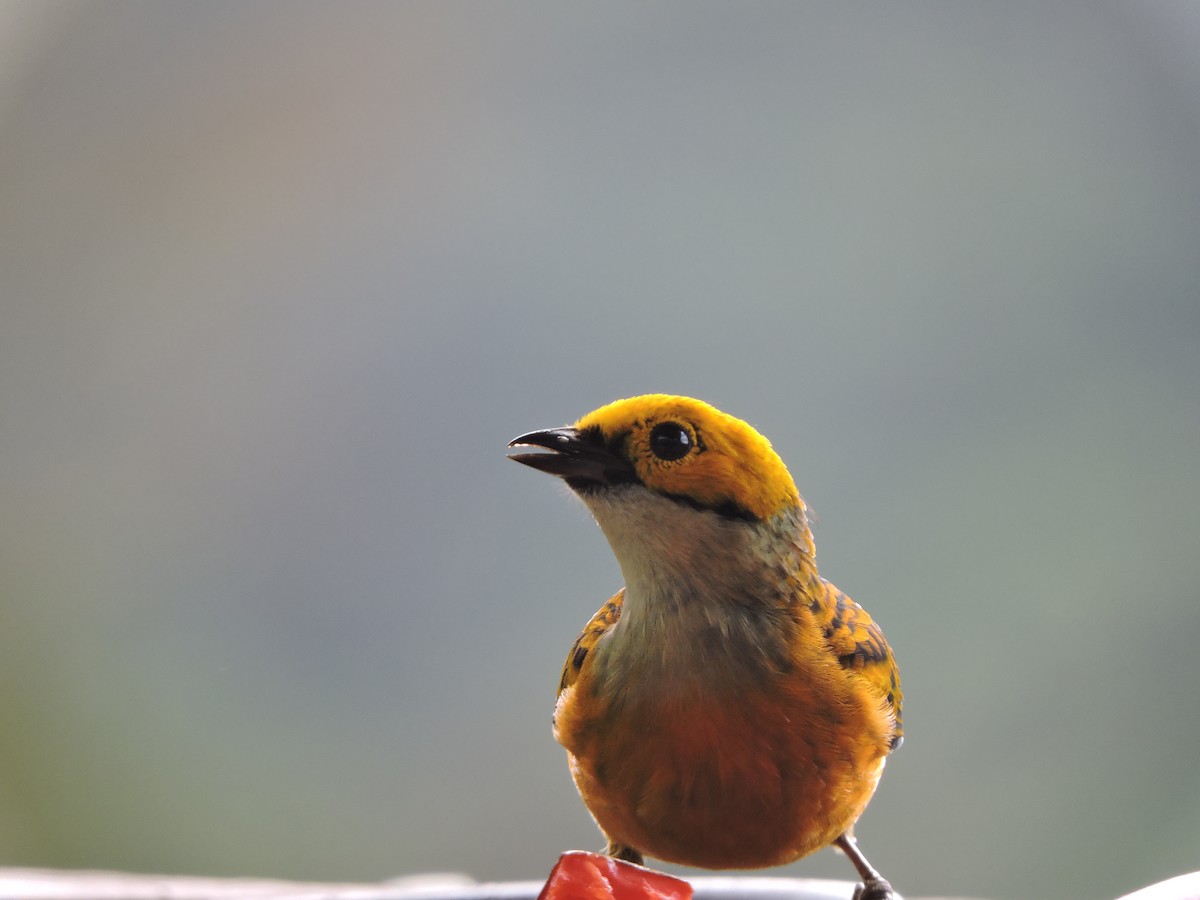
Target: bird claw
875 889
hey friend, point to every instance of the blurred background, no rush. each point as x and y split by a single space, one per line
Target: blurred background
280 280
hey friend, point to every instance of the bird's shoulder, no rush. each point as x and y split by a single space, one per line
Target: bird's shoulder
599 625
858 643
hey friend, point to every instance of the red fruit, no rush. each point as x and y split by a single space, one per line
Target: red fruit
592 876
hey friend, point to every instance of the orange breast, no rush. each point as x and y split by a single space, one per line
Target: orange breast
744 778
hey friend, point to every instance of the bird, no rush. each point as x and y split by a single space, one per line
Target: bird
728 708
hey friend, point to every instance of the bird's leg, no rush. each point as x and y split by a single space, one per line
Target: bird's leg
874 886
622 851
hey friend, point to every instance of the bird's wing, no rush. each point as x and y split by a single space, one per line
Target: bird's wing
860 646
594 630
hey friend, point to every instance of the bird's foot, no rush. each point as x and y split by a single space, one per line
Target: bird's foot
874 886
623 851
875 889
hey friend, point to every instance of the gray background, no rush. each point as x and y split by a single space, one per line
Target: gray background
280 280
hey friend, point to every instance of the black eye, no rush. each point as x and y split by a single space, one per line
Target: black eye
670 441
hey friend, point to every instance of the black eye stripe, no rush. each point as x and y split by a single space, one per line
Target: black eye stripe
726 509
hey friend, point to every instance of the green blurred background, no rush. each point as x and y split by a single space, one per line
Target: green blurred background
279 281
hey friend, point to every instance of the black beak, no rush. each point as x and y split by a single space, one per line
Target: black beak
580 458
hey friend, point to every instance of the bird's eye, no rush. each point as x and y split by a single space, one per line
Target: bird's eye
670 441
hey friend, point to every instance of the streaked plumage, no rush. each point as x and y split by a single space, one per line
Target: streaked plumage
727 708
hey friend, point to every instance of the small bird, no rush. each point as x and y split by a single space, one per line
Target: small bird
728 708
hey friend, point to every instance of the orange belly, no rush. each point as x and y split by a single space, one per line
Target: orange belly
746 779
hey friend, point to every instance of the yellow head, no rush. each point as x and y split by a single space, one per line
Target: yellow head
678 447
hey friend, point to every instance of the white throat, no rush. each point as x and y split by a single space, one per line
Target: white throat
699 588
